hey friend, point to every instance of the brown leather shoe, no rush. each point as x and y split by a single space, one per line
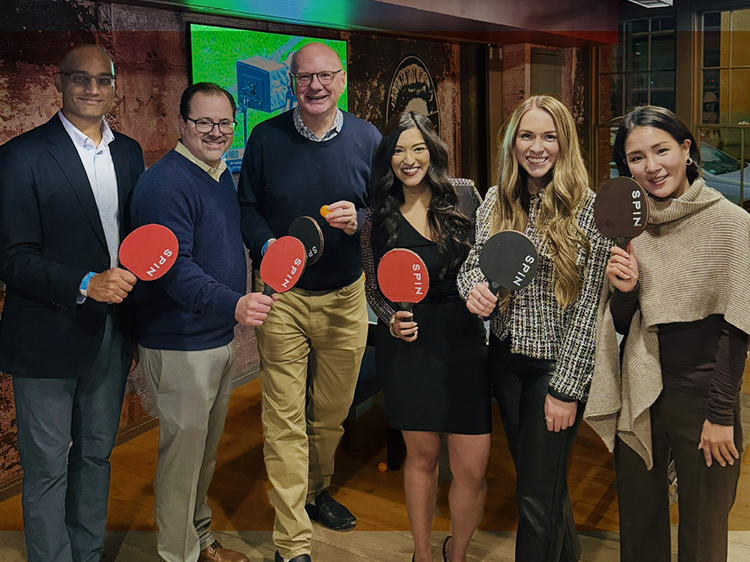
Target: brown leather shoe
217 553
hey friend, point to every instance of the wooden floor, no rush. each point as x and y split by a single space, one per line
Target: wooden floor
243 516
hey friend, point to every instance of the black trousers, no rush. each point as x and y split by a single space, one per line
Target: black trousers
546 529
705 494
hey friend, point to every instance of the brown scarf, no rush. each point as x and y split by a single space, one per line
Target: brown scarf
693 261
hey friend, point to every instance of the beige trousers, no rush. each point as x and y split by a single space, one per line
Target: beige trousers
310 348
191 391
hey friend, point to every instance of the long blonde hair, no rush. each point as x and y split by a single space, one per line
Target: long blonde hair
565 187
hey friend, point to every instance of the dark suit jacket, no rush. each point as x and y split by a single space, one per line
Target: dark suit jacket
50 237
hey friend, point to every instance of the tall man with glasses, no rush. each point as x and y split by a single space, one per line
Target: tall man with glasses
64 190
312 343
186 319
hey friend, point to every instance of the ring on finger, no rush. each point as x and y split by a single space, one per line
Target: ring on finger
549 420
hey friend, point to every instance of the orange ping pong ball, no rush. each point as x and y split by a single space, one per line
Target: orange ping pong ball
383 467
324 211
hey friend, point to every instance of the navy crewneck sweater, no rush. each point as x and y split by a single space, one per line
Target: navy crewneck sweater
284 176
192 306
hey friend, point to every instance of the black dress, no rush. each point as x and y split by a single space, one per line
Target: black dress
438 382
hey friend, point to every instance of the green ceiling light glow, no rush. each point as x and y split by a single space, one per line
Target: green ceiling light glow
335 14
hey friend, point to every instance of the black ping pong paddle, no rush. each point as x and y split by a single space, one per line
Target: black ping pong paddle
509 260
307 231
621 210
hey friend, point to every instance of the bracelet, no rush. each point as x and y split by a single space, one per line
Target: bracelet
83 287
391 326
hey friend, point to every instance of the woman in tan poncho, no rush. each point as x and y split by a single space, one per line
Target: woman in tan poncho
680 295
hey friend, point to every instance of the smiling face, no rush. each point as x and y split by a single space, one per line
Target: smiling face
411 159
657 161
86 105
208 147
537 148
316 100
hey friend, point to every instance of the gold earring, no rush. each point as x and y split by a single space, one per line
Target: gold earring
689 161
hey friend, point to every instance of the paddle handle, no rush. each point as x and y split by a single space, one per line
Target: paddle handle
622 242
268 290
406 307
497 289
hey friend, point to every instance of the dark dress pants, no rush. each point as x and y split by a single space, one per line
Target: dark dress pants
705 494
546 529
65 486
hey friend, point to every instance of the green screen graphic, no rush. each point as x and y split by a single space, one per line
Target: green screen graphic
254 67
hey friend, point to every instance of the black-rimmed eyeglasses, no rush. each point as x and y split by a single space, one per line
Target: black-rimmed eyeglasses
83 79
325 77
206 125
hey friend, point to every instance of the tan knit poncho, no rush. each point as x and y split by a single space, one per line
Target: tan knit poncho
693 261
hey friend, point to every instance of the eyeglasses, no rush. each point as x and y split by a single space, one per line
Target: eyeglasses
207 126
83 79
325 77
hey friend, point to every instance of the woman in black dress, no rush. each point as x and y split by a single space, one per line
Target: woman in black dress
434 372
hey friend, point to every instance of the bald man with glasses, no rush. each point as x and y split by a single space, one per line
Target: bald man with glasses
64 335
312 342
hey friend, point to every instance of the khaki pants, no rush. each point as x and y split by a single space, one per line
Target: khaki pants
191 391
303 411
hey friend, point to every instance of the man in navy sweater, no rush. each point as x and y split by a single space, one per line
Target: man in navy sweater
312 343
186 319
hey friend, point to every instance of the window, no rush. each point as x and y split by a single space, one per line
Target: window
724 112
639 70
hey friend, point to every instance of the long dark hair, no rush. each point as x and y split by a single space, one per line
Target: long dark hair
658 118
450 228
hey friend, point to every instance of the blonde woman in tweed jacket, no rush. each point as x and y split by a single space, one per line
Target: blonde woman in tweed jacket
541 351
680 295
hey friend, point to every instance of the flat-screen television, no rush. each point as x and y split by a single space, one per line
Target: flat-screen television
254 67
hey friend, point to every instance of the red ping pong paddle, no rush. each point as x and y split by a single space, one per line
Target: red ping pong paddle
621 210
403 277
307 231
149 251
509 260
283 264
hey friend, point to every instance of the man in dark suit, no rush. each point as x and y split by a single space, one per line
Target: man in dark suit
64 187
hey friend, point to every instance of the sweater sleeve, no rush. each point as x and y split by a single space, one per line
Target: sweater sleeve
251 193
622 306
470 275
575 364
164 202
727 379
378 303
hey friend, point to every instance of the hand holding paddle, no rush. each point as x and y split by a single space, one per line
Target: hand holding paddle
282 265
111 286
253 308
621 210
622 268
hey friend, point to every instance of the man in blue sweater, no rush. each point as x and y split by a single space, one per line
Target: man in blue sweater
186 319
312 343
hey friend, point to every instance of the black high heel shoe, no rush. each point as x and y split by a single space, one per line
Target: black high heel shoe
445 552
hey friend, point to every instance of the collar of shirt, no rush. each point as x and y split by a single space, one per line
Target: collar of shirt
80 139
215 173
307 132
